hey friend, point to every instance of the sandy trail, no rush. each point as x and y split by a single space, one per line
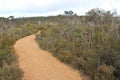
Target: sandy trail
38 64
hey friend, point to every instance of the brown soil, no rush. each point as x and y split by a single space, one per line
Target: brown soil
38 64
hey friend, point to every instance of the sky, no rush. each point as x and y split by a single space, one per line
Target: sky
26 8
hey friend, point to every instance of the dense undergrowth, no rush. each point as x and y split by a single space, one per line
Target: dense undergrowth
10 31
90 43
93 48
9 69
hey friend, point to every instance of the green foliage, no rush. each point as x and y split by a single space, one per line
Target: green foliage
92 48
105 73
9 70
90 43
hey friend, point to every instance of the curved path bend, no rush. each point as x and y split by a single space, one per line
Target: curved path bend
38 64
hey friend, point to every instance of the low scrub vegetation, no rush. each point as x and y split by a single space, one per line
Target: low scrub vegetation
9 69
90 43
10 31
93 47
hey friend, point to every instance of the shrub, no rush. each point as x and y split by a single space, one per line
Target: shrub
10 72
9 69
91 50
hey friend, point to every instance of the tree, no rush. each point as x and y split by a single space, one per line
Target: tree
11 17
69 13
99 16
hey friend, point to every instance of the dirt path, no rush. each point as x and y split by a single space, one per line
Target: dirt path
38 64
